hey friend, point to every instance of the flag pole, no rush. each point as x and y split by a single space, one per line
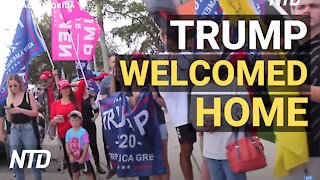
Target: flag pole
43 42
78 59
94 63
44 45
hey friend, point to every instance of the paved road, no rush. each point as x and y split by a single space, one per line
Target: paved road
173 149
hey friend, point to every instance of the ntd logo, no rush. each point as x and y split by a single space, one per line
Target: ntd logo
21 161
284 2
308 178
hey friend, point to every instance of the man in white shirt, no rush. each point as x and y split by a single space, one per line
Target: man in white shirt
176 99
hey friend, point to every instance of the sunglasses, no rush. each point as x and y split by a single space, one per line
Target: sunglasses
13 86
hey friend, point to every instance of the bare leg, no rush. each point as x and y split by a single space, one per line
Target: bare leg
205 174
185 160
165 176
90 176
76 175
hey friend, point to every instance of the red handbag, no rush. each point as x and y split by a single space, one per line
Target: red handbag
246 154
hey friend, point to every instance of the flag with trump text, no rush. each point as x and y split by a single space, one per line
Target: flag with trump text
132 136
89 75
74 32
26 45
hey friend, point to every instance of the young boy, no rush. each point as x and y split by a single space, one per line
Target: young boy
77 144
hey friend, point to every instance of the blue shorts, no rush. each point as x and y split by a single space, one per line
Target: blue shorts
163 131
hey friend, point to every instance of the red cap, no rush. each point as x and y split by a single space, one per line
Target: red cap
101 76
63 83
45 75
137 56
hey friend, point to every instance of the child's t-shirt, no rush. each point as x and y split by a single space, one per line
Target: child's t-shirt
77 141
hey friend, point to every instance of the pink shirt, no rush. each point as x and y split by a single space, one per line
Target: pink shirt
77 141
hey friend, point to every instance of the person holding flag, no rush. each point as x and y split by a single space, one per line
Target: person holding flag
50 93
134 97
105 91
308 54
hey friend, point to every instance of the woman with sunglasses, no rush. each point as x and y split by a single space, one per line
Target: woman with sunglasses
67 102
20 110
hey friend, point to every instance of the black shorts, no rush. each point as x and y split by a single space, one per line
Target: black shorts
186 134
86 167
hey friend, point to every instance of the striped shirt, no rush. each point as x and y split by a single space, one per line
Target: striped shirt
309 54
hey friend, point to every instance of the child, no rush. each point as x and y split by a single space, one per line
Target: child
77 144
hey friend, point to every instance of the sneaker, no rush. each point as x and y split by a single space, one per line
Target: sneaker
100 170
111 172
64 167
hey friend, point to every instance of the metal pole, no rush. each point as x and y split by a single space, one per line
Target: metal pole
94 63
78 59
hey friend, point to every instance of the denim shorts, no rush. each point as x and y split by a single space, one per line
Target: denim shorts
220 169
27 125
163 131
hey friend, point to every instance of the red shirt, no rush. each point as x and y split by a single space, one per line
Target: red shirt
64 109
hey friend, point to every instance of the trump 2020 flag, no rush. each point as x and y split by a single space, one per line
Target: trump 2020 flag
84 30
26 45
84 65
208 7
132 136
88 73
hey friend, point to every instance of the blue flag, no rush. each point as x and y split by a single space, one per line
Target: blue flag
210 8
89 75
86 69
26 45
132 136
260 6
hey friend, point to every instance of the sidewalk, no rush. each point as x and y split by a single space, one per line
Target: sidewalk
173 152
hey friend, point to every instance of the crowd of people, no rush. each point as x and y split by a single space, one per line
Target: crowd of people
70 110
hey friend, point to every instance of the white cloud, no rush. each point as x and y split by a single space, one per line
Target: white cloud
10 12
9 15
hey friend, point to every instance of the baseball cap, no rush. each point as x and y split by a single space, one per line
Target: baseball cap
137 56
75 112
45 75
101 76
63 83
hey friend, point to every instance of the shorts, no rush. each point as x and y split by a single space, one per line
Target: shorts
163 131
201 144
86 168
186 134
